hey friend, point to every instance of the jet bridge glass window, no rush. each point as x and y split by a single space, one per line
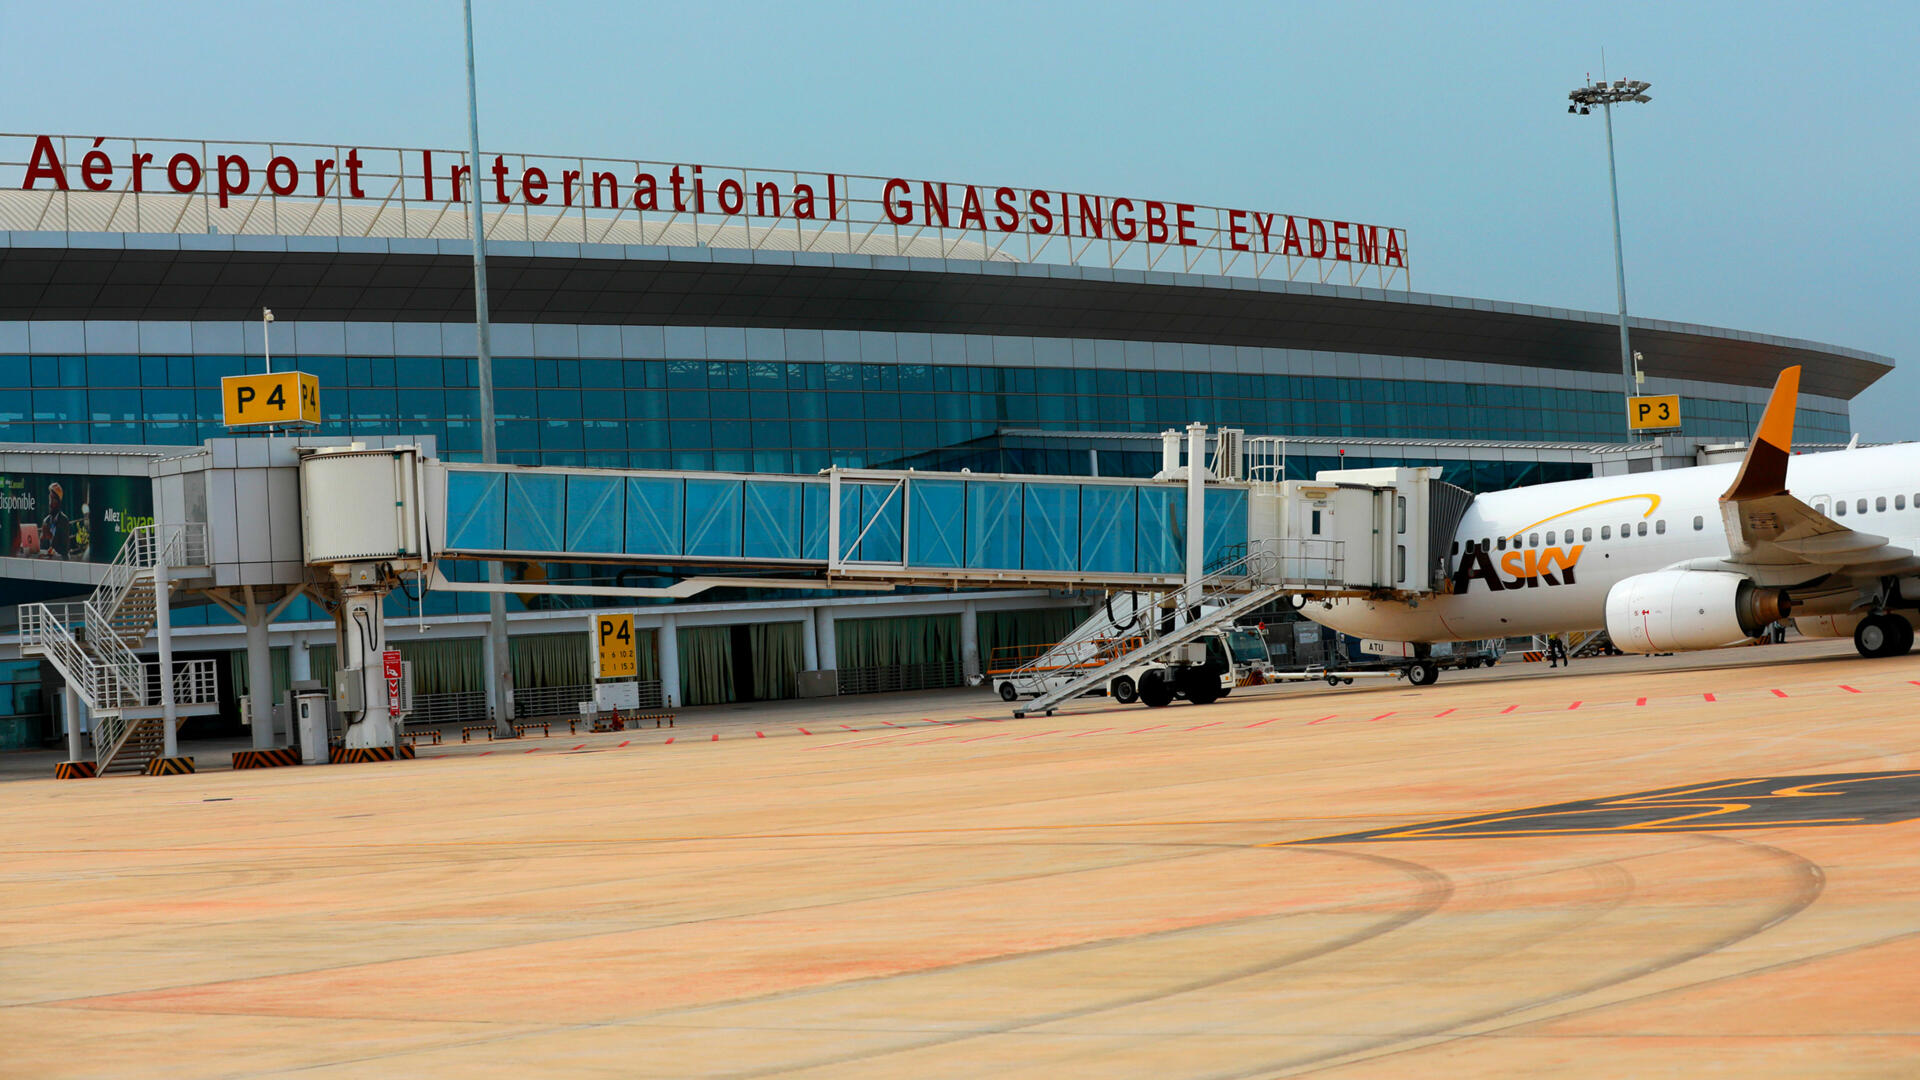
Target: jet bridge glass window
1699 523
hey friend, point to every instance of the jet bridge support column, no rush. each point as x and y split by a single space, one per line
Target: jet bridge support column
361 690
1196 513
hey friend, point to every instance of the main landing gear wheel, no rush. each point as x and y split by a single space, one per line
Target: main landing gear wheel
1423 673
1155 690
1883 635
1124 691
1008 693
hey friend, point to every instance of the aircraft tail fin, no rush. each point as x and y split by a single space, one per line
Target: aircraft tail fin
1764 472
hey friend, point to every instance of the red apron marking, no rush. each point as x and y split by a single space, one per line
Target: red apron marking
1709 697
889 723
1642 701
534 750
1037 734
850 728
1508 709
1095 731
716 737
804 731
1441 713
762 734
1258 723
1144 730
1329 716
1573 706
1849 689
1382 716
1779 693
578 747
623 744
669 741
1198 727
483 753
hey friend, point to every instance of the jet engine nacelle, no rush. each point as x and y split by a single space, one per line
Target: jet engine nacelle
1678 610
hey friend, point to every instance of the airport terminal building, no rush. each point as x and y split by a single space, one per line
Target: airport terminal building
695 319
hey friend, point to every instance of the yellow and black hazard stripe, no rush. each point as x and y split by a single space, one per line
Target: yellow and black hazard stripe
265 759
169 766
76 770
1532 656
357 755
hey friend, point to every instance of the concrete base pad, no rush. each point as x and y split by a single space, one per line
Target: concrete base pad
1638 867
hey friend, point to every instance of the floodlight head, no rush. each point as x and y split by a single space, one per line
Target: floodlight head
266 314
1573 108
1641 97
1584 110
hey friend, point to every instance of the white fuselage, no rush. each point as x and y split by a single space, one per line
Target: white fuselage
1610 528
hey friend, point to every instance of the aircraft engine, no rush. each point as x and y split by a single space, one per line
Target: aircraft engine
1678 610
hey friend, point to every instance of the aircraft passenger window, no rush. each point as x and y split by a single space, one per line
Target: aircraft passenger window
1660 526
1899 502
1606 532
1533 540
1586 535
1861 505
1698 523
1501 543
1456 547
1643 529
1626 530
1550 536
1880 504
1840 508
1486 544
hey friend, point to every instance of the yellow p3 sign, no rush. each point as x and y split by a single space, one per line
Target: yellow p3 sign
284 397
613 640
1648 413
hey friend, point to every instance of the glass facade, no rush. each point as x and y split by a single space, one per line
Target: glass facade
750 400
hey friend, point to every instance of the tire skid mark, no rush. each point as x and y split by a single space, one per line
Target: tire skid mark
1809 884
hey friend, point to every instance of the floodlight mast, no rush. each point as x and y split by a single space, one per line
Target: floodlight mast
1606 95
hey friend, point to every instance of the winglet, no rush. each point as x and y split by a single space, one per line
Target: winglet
1764 472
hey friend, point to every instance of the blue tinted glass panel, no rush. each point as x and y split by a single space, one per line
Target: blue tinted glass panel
1106 529
536 510
1226 525
937 527
773 529
1161 534
653 515
596 513
814 505
713 518
476 510
880 514
1050 539
993 525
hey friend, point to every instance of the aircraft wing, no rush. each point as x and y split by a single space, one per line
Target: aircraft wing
1768 527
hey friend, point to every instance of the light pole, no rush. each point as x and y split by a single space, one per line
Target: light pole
1606 95
266 346
499 667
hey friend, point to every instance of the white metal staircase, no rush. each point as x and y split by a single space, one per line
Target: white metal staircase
1244 585
91 642
1118 624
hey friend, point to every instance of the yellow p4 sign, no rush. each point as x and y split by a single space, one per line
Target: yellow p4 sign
1652 413
613 640
283 397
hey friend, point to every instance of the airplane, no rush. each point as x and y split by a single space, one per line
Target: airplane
1686 559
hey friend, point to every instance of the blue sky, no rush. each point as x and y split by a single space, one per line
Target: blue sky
1768 186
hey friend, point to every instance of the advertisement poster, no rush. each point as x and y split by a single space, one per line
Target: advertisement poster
71 518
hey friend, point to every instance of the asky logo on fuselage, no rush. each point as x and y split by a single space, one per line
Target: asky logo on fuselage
1525 568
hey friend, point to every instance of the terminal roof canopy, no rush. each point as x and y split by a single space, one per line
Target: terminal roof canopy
230 278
